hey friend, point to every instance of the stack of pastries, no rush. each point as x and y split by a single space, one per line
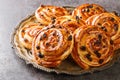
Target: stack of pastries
89 33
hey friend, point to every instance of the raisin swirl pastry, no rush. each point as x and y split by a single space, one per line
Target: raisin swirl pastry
86 10
92 47
47 14
27 33
69 22
110 24
52 45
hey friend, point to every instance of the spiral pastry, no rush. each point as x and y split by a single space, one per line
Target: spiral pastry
109 23
47 14
69 22
27 33
86 10
52 45
92 47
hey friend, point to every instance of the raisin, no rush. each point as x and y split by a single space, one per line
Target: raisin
99 24
88 57
53 18
44 35
111 42
37 47
53 26
99 36
60 26
77 18
40 55
101 61
87 10
97 54
69 19
103 28
112 19
53 21
97 42
41 38
116 13
70 38
90 6
115 27
47 44
83 48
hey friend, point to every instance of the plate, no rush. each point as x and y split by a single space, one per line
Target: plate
68 66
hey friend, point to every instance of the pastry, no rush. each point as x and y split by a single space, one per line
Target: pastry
47 14
84 11
52 45
92 47
109 23
27 33
69 22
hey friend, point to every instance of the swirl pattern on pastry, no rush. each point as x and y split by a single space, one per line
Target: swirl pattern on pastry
27 33
47 14
52 45
69 22
109 23
86 10
90 19
92 47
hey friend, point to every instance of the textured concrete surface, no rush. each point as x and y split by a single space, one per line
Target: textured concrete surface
13 68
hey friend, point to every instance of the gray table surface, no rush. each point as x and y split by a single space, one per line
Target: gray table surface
13 68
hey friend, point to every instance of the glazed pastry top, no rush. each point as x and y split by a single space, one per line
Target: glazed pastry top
47 14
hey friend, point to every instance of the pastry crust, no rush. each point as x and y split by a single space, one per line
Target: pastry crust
69 22
92 47
52 45
90 19
84 11
47 14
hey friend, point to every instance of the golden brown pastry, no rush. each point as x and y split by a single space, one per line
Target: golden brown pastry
92 47
84 11
110 24
52 45
27 33
117 44
90 19
69 22
47 14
